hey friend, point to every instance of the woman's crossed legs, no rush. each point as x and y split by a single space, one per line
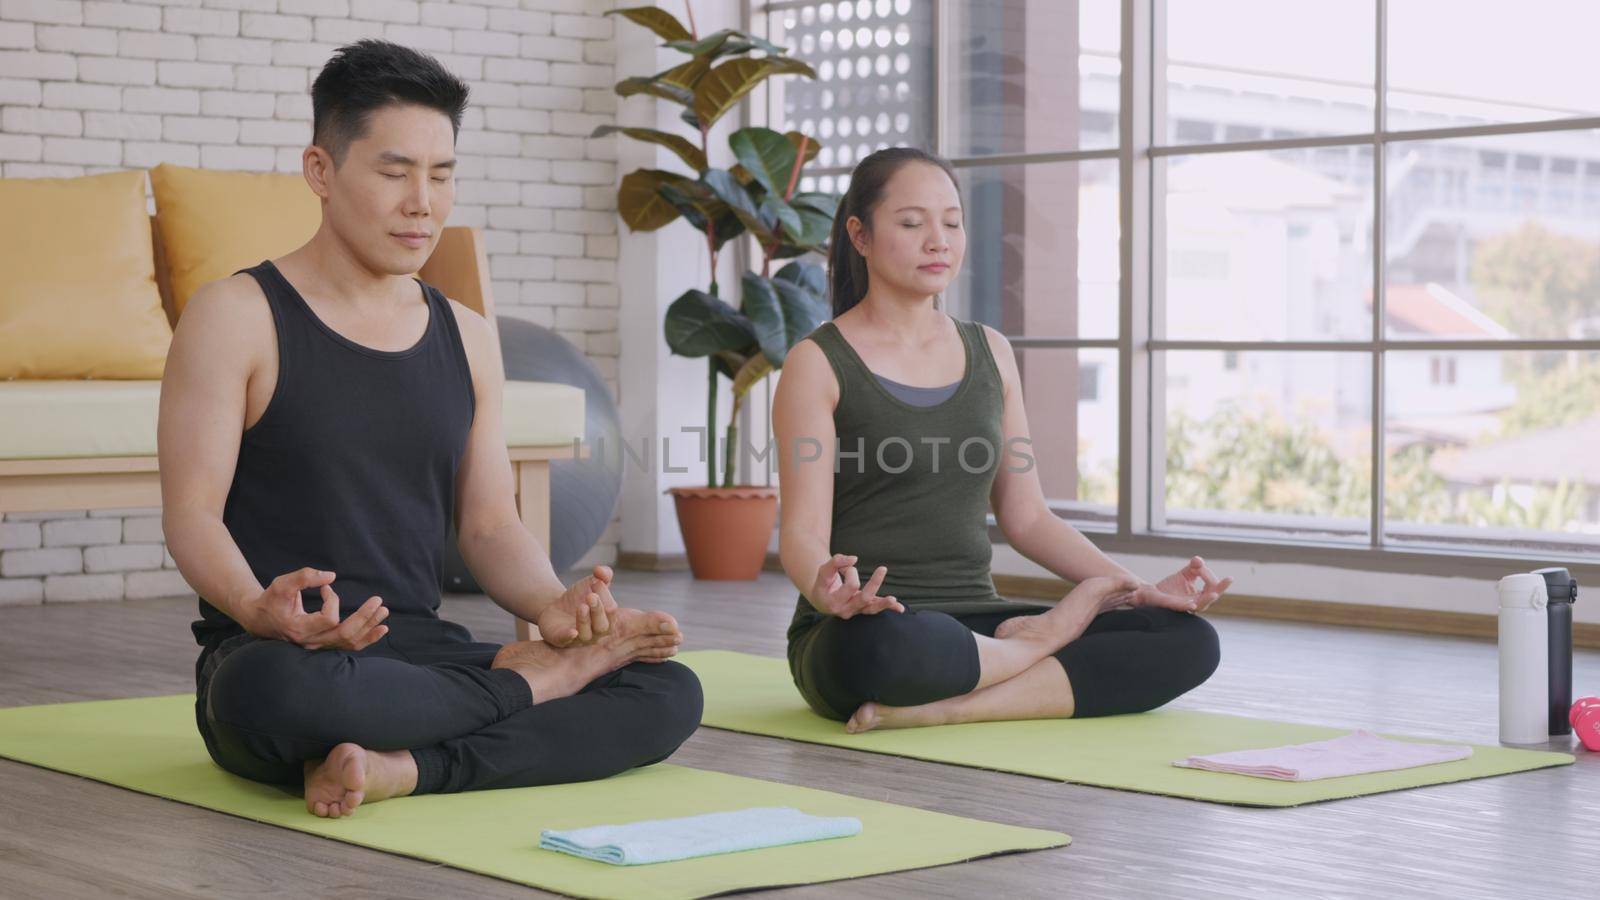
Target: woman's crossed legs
1075 659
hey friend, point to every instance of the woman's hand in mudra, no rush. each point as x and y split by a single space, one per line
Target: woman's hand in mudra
838 590
1179 590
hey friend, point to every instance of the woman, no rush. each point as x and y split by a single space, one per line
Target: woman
898 428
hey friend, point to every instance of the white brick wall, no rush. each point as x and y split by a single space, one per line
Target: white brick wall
51 561
78 588
94 86
122 558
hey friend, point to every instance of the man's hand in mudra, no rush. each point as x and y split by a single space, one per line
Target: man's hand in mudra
583 614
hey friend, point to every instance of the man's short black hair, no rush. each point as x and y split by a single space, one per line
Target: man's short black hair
370 75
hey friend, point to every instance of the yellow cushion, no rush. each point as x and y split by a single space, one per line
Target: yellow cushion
118 418
78 295
215 223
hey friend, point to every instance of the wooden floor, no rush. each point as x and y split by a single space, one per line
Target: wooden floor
1523 835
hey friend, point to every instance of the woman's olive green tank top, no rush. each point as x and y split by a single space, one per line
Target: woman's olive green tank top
911 483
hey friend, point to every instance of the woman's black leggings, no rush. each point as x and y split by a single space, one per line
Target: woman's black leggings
1126 661
264 707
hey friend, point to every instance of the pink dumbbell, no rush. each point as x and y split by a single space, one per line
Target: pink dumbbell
1585 719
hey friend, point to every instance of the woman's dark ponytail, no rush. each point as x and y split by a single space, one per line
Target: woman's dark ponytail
847 268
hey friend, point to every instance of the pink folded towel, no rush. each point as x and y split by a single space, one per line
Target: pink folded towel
1351 754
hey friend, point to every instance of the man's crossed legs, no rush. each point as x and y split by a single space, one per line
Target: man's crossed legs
429 710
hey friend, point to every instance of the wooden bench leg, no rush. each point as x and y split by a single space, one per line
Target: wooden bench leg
533 504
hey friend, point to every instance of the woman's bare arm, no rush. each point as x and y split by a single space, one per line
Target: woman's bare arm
1018 499
802 422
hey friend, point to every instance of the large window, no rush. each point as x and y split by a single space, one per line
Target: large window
1330 269
1023 96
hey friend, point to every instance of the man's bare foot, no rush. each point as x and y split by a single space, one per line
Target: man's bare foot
552 673
875 715
1061 624
350 776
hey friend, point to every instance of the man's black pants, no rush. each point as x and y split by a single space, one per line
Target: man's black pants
265 707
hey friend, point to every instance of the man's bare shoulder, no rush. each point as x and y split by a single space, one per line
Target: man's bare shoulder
225 323
227 304
476 336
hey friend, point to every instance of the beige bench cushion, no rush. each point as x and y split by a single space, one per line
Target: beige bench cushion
56 419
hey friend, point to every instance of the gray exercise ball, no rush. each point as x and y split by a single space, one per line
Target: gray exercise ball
583 492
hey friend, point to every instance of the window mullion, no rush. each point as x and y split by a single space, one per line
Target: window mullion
1138 429
941 75
1380 205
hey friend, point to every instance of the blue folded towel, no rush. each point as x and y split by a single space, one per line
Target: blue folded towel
664 840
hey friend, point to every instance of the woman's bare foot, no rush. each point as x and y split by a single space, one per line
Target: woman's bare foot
552 673
1061 624
875 715
350 776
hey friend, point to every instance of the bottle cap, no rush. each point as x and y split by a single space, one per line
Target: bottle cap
1559 584
1522 591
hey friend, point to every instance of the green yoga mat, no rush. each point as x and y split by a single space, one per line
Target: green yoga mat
150 745
754 694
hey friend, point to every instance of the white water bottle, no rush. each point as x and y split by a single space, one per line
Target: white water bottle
1524 660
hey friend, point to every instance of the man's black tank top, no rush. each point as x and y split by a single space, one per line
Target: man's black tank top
351 468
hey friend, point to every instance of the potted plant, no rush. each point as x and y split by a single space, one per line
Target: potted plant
727 525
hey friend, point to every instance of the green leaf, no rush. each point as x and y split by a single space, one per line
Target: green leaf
664 24
760 304
639 199
698 324
725 42
793 137
699 205
714 46
812 144
676 84
806 275
678 144
782 214
728 362
803 312
783 311
728 189
750 374
695 200
766 155
826 204
815 228
817 211
816 231
686 75
725 228
722 87
654 87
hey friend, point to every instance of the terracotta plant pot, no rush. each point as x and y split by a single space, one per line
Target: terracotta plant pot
726 530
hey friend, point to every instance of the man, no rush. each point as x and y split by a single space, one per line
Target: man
322 415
